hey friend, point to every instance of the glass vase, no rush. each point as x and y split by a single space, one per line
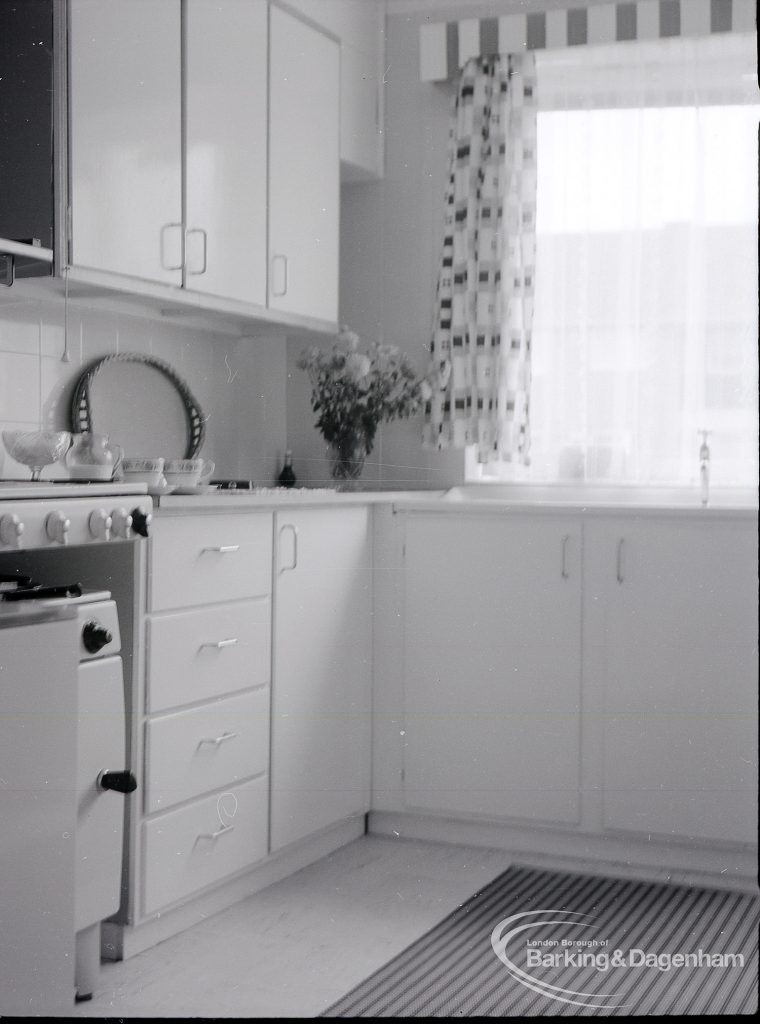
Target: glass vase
347 463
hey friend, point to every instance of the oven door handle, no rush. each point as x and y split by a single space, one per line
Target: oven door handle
120 782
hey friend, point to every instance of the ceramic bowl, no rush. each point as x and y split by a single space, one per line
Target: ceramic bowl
187 472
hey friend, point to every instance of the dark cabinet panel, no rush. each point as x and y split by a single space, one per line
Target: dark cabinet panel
26 125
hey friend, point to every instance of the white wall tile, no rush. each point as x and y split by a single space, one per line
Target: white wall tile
19 387
21 332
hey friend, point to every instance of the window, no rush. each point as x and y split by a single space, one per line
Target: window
645 326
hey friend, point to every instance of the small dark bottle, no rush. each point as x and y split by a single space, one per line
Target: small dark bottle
287 477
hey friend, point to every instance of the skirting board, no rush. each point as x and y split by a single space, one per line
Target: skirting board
121 941
722 867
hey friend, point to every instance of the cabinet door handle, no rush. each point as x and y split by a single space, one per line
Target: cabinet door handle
289 568
215 835
619 565
222 549
217 740
164 264
219 645
279 260
199 231
565 542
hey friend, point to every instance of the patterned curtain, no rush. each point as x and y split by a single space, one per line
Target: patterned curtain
480 352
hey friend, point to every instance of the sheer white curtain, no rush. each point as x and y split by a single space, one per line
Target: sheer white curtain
645 326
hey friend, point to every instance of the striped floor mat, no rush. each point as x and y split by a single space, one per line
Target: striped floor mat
544 943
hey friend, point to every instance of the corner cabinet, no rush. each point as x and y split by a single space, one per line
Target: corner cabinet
322 663
673 609
204 156
492 666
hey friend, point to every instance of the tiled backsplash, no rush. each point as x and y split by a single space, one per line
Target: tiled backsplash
238 383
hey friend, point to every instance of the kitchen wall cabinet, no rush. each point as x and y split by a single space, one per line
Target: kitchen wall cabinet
205 156
304 185
225 148
492 667
674 608
205 781
322 657
125 96
360 27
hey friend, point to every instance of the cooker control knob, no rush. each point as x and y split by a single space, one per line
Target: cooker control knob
95 636
11 529
100 524
141 520
57 527
121 523
122 782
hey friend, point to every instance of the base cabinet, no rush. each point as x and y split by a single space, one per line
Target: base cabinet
492 667
675 613
598 672
321 680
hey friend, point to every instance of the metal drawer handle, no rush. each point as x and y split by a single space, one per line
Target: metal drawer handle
565 541
219 645
222 549
215 835
216 740
619 566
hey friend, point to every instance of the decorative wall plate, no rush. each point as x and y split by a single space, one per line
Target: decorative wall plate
141 403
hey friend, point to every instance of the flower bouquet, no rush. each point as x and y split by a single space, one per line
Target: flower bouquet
353 393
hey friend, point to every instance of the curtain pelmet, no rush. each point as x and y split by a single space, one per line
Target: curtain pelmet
484 298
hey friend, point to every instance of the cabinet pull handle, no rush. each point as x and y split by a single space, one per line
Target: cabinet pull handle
619 566
221 644
164 264
279 259
565 542
217 740
199 231
289 568
222 549
215 835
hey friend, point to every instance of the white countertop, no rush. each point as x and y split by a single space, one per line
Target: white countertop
467 499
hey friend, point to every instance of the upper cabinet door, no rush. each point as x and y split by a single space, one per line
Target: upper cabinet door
226 148
126 139
304 168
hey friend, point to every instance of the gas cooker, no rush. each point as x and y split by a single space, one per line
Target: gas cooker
48 514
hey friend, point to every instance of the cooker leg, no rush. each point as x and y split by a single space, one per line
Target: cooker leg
87 961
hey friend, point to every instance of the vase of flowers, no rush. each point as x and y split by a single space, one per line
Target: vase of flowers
353 392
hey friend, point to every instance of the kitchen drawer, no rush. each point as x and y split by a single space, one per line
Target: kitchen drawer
198 559
195 751
195 846
208 652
